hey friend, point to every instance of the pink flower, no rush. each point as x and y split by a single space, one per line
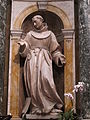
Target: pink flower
79 87
81 83
69 95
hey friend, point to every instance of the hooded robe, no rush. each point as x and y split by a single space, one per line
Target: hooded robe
40 48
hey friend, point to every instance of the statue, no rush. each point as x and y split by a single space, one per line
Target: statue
40 47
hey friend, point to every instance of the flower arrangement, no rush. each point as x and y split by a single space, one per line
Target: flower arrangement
71 115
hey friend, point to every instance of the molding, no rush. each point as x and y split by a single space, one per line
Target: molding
68 33
59 12
17 33
42 0
16 118
22 15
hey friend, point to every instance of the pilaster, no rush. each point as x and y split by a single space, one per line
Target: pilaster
69 69
14 88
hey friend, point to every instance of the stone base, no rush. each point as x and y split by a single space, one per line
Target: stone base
85 119
41 117
16 119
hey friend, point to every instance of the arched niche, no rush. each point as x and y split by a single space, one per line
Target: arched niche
29 10
15 89
55 24
53 21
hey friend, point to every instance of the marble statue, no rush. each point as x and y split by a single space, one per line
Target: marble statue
39 48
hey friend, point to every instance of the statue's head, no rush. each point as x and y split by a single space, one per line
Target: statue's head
37 21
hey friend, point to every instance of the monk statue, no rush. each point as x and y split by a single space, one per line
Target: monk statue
39 48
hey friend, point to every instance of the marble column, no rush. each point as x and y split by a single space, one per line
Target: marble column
3 8
84 43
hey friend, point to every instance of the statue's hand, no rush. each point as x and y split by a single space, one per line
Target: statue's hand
59 59
62 59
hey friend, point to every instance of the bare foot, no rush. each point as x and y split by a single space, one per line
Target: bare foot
56 111
38 112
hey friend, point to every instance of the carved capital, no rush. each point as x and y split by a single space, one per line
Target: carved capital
16 34
68 33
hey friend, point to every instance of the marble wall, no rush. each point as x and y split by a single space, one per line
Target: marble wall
5 11
84 47
3 5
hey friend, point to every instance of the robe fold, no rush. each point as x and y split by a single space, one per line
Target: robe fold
40 48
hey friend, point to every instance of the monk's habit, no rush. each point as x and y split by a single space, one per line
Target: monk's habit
40 48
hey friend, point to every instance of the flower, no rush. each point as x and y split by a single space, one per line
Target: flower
69 95
81 83
79 87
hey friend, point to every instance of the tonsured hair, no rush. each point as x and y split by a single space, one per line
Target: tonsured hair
38 16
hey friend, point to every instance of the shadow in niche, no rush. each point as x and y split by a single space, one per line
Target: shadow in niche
55 25
22 60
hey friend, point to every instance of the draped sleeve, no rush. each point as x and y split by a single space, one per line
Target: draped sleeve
24 49
53 43
57 56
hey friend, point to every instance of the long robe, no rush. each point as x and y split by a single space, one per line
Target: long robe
40 49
